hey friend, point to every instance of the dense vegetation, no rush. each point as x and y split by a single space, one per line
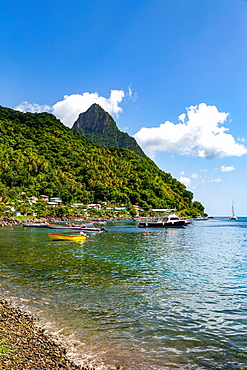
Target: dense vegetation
39 155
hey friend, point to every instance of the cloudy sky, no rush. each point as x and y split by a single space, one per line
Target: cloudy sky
172 74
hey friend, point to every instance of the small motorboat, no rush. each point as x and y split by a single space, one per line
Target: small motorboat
68 238
200 218
168 221
73 227
66 227
35 224
86 222
94 229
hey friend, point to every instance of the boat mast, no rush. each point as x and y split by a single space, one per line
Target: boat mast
233 214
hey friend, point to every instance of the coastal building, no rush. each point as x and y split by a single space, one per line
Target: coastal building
53 204
56 200
96 206
32 200
44 197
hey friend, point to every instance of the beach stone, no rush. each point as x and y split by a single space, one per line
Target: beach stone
27 347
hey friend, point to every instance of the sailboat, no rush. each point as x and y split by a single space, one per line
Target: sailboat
233 217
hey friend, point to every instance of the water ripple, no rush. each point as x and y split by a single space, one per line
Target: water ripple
169 299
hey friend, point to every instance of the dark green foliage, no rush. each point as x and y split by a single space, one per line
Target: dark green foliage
39 155
117 140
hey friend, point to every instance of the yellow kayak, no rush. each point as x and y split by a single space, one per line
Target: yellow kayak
69 238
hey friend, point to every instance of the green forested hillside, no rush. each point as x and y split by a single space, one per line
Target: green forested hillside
39 155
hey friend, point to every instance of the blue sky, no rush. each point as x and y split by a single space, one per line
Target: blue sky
172 73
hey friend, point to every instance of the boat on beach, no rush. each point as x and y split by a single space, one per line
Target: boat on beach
69 238
171 220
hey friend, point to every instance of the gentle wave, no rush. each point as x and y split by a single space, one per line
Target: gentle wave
173 298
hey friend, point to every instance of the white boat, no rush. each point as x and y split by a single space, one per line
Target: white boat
200 218
233 217
65 227
72 227
35 224
168 221
87 229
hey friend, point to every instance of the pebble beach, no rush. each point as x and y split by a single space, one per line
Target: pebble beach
23 345
26 346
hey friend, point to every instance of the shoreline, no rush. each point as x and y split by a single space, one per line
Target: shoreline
12 221
24 345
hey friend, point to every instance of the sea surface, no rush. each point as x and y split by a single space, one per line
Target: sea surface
168 299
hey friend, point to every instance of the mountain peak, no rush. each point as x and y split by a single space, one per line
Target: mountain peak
98 126
95 119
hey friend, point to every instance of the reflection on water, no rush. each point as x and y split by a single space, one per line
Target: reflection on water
173 298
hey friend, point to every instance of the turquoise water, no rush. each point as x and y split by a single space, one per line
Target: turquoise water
171 299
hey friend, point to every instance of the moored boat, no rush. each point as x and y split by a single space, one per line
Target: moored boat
99 221
77 227
168 221
200 218
86 221
65 227
233 217
64 237
94 229
35 224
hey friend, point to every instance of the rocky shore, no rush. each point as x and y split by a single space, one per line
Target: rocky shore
25 346
9 221
12 221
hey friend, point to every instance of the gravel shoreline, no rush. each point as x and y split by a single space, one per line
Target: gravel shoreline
25 346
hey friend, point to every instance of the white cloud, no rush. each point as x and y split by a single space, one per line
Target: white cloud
227 168
131 94
194 175
215 180
241 139
33 108
68 109
71 106
195 181
185 180
199 133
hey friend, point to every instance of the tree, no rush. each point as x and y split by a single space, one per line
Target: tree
40 155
